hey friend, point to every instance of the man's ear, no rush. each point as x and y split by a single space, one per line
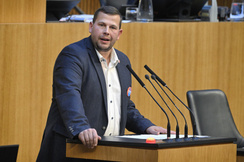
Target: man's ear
90 26
120 32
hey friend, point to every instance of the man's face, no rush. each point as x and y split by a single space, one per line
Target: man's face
105 31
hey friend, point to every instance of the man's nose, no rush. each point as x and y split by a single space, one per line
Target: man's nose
106 29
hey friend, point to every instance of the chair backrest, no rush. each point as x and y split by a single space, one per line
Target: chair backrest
116 3
213 115
8 153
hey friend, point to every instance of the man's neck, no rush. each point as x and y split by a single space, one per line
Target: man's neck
107 56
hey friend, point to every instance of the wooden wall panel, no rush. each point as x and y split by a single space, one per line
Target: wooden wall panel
191 56
187 56
23 11
28 53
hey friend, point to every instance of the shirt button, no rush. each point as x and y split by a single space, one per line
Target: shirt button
112 118
109 85
110 134
111 101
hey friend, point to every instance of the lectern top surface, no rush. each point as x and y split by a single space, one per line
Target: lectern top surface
160 143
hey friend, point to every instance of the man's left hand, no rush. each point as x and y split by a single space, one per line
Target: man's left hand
157 130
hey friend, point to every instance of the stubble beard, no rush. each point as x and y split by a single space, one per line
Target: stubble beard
103 49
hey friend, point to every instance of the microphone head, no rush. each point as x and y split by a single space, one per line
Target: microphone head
147 76
148 69
153 77
135 75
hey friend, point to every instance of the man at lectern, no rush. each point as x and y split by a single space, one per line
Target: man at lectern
91 91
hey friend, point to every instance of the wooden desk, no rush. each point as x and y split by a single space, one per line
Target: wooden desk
129 150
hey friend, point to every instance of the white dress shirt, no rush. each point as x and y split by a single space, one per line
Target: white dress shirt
113 93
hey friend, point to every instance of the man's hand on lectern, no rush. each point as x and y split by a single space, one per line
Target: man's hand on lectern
157 130
89 137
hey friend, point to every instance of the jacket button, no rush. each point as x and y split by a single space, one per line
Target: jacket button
104 127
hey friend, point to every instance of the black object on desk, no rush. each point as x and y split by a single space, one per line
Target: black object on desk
8 153
177 10
56 9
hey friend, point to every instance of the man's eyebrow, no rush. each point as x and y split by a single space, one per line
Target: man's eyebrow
114 25
111 25
99 22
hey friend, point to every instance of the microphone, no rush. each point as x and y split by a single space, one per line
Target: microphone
143 85
186 127
164 84
177 125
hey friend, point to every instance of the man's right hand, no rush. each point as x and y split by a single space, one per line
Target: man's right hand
89 137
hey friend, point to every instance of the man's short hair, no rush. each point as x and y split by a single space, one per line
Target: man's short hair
110 10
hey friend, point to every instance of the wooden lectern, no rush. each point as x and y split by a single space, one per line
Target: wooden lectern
211 149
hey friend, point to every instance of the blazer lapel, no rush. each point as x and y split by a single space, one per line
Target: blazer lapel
121 75
98 67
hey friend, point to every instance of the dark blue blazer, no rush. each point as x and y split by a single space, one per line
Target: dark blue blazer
80 100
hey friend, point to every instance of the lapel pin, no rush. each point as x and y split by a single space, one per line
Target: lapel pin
129 91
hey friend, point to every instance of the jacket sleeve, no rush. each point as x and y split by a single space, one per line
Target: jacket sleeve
135 121
67 82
